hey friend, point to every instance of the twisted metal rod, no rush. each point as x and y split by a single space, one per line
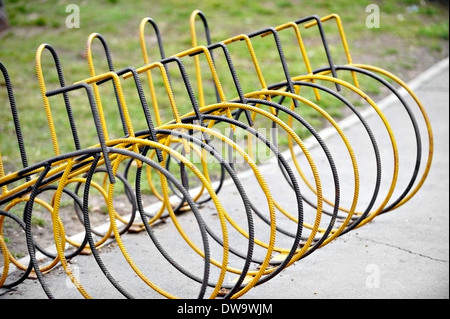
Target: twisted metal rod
194 132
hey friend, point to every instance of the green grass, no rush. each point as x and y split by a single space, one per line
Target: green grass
33 23
437 30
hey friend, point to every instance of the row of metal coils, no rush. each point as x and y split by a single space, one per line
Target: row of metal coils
236 185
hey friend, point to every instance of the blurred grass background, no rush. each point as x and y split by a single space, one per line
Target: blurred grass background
413 35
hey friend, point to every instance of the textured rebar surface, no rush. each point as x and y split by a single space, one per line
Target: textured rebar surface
227 232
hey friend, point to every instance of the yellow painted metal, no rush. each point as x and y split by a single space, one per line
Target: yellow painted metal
391 138
48 111
70 169
397 80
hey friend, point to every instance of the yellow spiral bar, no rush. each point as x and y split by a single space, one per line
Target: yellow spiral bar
198 72
71 168
148 72
48 207
322 112
2 176
42 87
285 127
92 72
427 122
211 192
388 128
302 47
346 47
388 74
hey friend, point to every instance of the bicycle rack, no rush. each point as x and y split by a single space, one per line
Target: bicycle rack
172 158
